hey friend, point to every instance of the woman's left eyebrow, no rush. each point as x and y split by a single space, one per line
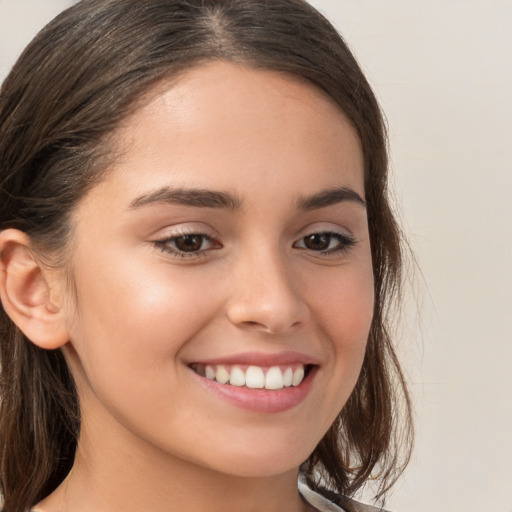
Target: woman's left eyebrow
330 197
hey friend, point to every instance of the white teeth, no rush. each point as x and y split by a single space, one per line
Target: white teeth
237 377
274 378
298 376
254 377
288 377
221 375
209 373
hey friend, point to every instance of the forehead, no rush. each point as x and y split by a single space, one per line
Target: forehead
222 125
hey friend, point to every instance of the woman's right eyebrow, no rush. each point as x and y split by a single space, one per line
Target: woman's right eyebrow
199 198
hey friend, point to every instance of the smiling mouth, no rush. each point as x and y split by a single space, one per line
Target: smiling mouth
254 377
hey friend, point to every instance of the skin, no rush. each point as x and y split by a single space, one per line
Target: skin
153 436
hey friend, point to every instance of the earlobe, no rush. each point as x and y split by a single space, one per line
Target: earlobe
25 292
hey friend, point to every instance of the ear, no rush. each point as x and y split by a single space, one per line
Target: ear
26 292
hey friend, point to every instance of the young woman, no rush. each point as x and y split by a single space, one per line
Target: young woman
197 258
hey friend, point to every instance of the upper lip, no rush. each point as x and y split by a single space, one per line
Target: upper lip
261 359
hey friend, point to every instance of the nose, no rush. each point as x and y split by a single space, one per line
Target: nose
267 296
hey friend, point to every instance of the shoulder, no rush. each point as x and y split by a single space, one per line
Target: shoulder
327 501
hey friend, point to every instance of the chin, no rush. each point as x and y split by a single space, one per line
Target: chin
262 459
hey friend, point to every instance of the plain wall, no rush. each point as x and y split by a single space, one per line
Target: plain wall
443 73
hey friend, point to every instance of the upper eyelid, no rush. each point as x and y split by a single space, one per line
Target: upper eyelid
344 234
213 235
312 229
193 228
169 232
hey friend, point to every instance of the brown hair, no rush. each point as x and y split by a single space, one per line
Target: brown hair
78 79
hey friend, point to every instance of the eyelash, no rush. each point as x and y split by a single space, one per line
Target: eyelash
344 244
166 245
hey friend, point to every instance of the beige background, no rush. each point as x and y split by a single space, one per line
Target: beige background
443 72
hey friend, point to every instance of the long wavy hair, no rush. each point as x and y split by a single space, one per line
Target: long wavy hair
79 78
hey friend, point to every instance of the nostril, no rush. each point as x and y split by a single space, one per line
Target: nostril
253 324
269 327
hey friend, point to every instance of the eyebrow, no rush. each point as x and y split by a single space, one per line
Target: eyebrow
330 197
203 198
198 198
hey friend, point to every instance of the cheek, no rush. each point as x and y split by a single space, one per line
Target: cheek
132 322
343 309
139 313
345 303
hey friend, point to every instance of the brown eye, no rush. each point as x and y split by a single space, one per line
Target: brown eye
317 241
189 243
193 245
326 242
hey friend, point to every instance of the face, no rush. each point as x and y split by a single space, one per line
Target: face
222 274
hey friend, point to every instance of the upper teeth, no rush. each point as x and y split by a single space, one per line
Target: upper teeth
254 377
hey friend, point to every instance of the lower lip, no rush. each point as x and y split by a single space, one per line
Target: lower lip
261 400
